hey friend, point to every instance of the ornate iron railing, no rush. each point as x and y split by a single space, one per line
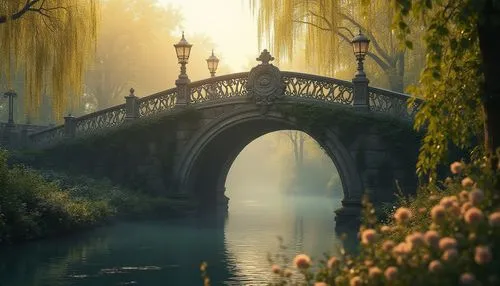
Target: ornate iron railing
394 103
222 87
99 120
296 85
48 136
157 102
328 90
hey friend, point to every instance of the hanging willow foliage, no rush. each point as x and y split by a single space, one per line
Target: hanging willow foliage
323 29
49 42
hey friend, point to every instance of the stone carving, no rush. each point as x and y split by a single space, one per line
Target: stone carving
265 83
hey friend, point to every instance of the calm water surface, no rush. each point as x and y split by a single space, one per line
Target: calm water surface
170 252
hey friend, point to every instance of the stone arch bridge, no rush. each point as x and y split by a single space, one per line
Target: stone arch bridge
184 140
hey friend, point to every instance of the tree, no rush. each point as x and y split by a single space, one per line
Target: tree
329 27
140 54
297 138
50 42
460 82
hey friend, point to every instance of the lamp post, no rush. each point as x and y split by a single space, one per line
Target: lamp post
212 63
11 94
183 50
360 44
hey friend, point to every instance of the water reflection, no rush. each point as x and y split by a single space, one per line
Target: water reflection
170 252
306 225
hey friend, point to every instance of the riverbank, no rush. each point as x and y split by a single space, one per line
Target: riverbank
36 204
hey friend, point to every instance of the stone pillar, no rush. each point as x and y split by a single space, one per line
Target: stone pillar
360 95
69 126
349 212
183 91
132 106
11 94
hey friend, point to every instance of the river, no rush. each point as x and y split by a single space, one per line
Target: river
170 252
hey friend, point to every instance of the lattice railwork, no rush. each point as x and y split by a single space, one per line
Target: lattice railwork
233 85
48 137
393 103
318 88
158 102
96 121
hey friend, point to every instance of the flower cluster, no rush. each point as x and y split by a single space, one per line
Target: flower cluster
445 236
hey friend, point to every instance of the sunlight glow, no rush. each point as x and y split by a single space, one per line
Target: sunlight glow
229 23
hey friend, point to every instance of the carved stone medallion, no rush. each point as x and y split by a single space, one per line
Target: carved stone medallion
265 83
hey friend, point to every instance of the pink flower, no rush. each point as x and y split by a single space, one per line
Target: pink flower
476 196
368 236
374 272
455 209
385 229
482 255
415 239
447 243
320 284
464 196
402 215
422 210
456 167
402 248
276 269
435 266
302 261
450 254
467 182
465 207
356 281
432 238
467 279
388 245
369 262
494 219
332 262
446 202
473 216
390 273
438 213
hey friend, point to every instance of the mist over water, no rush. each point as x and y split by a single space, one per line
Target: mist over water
170 252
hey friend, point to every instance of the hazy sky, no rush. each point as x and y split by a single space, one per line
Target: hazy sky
229 23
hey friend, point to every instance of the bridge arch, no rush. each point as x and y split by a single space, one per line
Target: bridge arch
209 154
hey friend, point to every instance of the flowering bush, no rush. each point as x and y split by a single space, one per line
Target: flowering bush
449 234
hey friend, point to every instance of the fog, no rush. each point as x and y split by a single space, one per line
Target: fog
273 166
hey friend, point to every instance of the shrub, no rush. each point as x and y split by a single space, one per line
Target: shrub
31 207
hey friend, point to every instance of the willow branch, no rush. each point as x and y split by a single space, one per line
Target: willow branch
312 24
26 8
376 45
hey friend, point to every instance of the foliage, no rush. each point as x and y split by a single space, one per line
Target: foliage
329 27
36 204
31 207
50 44
451 80
126 204
447 235
140 54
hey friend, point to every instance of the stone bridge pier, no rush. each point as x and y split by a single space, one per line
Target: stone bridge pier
367 159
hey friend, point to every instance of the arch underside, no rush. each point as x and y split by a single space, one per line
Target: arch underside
209 155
